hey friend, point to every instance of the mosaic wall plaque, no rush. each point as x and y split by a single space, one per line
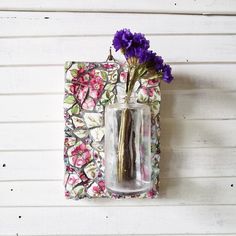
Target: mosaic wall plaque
89 87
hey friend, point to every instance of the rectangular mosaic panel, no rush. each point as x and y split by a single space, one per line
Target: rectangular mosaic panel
89 87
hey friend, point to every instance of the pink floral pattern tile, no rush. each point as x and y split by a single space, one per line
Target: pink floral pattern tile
89 87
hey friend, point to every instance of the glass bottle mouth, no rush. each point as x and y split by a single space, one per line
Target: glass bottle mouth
124 99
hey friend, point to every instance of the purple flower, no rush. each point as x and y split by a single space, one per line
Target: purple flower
167 76
147 56
151 59
122 39
132 45
158 63
139 41
131 52
138 46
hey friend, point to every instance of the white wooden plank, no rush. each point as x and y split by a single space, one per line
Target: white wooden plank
32 136
159 6
122 220
32 108
210 104
40 79
199 105
205 162
208 133
50 79
175 133
53 51
19 24
38 165
203 76
196 191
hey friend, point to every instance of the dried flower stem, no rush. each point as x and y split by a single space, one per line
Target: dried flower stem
126 146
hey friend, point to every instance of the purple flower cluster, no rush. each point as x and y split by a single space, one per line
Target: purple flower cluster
136 45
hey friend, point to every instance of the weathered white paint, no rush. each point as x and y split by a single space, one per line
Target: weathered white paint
177 48
46 24
198 177
119 220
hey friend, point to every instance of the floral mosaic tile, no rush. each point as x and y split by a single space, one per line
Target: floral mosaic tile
89 87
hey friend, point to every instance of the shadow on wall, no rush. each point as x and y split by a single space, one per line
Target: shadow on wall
181 132
188 77
181 81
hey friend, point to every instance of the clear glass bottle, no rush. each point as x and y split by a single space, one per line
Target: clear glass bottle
128 147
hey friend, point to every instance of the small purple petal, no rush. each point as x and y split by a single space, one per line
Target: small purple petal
139 41
147 57
158 63
167 76
122 39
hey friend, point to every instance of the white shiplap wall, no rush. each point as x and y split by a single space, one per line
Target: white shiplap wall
198 166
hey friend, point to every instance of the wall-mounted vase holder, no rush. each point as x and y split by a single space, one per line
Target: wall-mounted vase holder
127 170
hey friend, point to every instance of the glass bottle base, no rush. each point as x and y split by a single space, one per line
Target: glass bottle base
129 187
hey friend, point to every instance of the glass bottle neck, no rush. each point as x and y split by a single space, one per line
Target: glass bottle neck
126 100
